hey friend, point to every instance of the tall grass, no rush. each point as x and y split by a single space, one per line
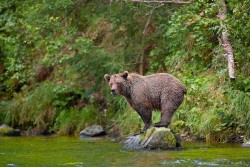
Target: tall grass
72 121
33 109
213 111
239 112
47 108
128 121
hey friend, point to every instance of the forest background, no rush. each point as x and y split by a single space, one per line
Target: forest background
54 54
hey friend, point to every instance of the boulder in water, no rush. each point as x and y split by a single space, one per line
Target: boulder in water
92 131
154 138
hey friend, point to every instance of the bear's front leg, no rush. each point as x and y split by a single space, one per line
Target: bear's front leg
146 126
146 116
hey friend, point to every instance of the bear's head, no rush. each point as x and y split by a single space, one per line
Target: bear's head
117 82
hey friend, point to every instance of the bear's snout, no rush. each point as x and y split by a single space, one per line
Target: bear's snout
113 92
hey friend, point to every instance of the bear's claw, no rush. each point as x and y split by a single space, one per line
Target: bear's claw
160 124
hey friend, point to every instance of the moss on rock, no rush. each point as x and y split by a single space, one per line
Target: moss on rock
154 138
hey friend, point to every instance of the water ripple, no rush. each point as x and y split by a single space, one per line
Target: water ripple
204 163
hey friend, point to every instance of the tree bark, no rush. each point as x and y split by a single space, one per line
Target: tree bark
226 42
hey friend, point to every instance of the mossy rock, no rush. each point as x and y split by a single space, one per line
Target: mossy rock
159 138
92 131
154 138
6 130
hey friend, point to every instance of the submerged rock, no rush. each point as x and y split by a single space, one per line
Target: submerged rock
133 143
246 144
92 131
6 130
154 138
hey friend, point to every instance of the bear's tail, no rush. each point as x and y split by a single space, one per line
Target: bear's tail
184 90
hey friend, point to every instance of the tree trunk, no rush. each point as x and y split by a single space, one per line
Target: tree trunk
141 67
226 42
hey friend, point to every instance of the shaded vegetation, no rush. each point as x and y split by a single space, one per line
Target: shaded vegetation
54 54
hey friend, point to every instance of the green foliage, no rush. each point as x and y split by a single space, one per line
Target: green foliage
239 24
192 30
238 112
70 122
218 114
88 62
191 51
34 108
38 108
12 55
128 121
83 40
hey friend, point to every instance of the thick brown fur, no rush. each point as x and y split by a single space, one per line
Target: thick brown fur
159 91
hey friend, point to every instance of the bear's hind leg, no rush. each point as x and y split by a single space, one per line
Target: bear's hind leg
164 122
166 115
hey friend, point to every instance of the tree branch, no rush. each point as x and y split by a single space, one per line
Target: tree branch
162 1
150 14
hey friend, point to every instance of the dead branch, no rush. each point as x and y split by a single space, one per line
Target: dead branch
149 18
226 41
161 1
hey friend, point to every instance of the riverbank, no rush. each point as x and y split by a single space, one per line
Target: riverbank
114 135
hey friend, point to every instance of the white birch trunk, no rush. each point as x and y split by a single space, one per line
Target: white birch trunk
226 42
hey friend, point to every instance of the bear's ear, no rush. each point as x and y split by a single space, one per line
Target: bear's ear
107 77
124 74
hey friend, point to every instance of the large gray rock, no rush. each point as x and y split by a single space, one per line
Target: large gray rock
154 138
6 130
92 131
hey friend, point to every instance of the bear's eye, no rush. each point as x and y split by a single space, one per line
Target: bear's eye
111 84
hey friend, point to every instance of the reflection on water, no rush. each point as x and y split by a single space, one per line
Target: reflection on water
69 151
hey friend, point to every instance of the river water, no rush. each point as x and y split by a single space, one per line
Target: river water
72 151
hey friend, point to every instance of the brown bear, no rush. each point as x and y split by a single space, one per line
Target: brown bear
159 91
